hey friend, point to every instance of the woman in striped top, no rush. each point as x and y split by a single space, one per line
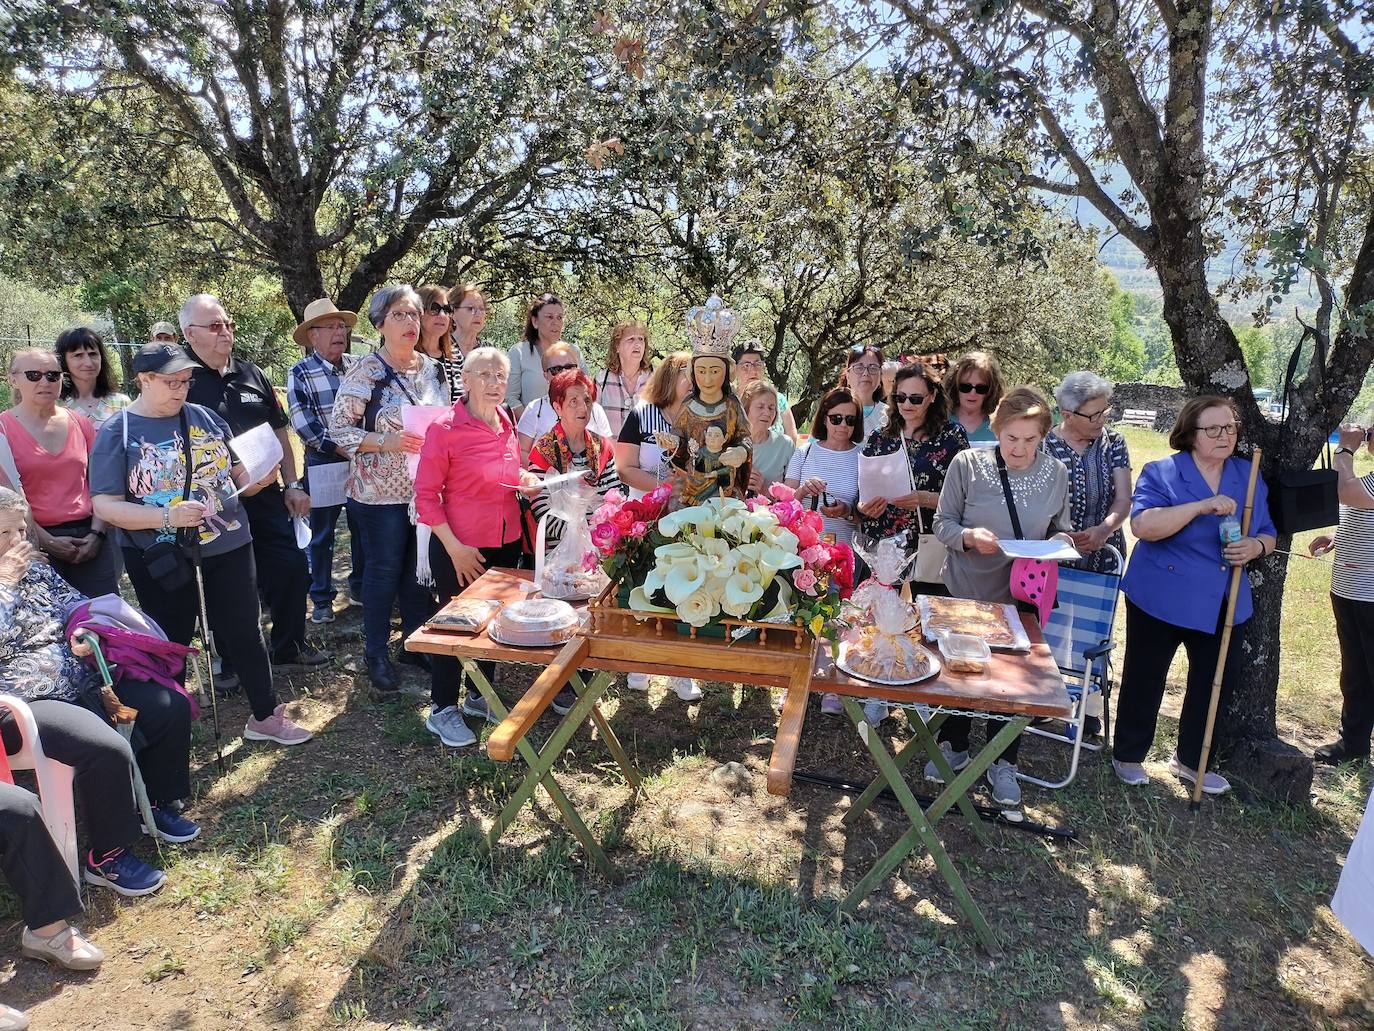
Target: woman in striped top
627 372
469 316
436 323
638 457
570 445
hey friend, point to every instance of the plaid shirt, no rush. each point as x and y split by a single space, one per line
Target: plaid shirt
310 388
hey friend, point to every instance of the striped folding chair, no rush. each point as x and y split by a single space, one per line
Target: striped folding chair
1079 633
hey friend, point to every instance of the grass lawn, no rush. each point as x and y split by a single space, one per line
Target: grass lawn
341 885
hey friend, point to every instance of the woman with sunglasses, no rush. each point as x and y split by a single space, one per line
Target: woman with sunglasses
863 378
436 336
539 416
974 386
1177 581
1099 468
918 423
825 471
90 386
543 329
51 448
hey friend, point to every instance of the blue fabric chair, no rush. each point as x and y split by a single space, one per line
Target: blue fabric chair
1079 633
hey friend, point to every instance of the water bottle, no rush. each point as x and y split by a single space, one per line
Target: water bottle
1229 530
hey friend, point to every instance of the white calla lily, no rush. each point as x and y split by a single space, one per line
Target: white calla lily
741 592
639 602
684 579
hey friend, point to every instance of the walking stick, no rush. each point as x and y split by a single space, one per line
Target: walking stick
1236 572
207 639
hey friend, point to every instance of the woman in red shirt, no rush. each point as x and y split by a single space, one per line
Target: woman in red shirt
51 448
463 492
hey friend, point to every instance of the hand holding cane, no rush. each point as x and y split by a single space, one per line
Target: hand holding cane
1236 573
191 539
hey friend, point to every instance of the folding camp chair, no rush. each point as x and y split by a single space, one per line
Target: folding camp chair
1079 633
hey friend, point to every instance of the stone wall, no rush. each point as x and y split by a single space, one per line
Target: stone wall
1167 402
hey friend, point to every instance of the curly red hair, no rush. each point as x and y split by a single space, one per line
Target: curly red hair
565 381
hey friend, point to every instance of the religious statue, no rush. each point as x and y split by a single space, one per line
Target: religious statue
708 450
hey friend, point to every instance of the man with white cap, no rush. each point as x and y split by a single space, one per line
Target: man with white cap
310 388
162 333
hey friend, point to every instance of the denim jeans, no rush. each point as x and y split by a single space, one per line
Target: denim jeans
322 524
389 576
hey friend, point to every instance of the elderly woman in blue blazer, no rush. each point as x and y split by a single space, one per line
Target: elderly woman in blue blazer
1176 583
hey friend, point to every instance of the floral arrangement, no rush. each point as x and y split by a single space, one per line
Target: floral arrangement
762 559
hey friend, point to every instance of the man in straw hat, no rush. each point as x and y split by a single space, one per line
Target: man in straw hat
310 388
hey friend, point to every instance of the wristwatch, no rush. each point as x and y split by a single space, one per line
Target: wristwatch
1344 451
296 485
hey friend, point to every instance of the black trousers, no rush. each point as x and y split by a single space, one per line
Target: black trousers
1355 633
283 569
101 763
34 868
445 671
1150 648
98 576
231 596
161 738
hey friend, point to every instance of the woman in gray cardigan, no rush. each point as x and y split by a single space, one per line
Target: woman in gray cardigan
971 520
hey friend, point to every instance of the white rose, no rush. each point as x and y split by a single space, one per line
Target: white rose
698 608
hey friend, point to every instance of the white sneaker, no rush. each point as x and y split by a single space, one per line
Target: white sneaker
67 948
447 725
1212 783
1006 789
687 689
1132 774
957 761
12 1019
637 681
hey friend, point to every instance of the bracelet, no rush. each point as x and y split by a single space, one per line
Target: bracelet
166 518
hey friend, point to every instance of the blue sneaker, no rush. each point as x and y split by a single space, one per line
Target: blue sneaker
123 871
172 826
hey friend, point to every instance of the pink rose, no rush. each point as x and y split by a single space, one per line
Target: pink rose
590 561
639 529
623 520
814 520
807 536
804 580
606 536
815 555
614 497
782 492
787 513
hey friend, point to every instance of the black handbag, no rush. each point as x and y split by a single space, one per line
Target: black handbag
1303 499
164 560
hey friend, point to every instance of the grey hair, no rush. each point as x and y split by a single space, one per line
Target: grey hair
13 501
185 315
478 354
387 298
32 352
1078 388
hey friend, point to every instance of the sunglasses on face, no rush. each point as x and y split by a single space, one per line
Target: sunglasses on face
843 420
440 309
554 370
974 388
909 399
34 375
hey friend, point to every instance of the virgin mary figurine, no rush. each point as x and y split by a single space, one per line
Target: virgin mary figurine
710 444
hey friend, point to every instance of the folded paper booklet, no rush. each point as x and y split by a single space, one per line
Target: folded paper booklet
1050 551
465 615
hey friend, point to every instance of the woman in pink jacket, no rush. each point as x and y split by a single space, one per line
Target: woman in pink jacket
463 493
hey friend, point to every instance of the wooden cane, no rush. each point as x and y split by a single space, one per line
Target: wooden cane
1236 572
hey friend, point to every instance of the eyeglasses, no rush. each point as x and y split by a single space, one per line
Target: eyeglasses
34 375
1093 417
489 377
217 327
1228 429
403 316
554 370
868 368
974 388
909 399
843 420
182 383
473 308
441 309
750 366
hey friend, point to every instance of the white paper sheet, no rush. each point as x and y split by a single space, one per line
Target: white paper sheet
1353 903
258 450
1051 551
884 476
417 419
326 484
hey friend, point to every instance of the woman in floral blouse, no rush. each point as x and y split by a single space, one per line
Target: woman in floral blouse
366 426
917 420
1099 469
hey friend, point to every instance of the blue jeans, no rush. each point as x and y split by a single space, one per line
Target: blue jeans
321 551
389 576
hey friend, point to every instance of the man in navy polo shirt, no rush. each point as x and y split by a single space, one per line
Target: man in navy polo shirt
241 394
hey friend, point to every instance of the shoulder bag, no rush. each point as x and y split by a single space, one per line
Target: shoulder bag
1303 499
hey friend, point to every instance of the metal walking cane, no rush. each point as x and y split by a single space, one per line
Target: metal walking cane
206 638
1236 572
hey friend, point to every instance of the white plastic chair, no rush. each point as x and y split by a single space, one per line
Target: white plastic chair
1079 633
54 783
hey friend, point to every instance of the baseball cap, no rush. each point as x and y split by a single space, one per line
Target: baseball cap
165 328
162 358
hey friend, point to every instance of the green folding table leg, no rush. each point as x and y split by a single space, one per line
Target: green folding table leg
923 831
902 759
541 763
608 735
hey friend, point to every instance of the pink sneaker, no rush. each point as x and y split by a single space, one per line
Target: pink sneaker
276 728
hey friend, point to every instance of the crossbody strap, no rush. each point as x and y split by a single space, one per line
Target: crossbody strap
1006 493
